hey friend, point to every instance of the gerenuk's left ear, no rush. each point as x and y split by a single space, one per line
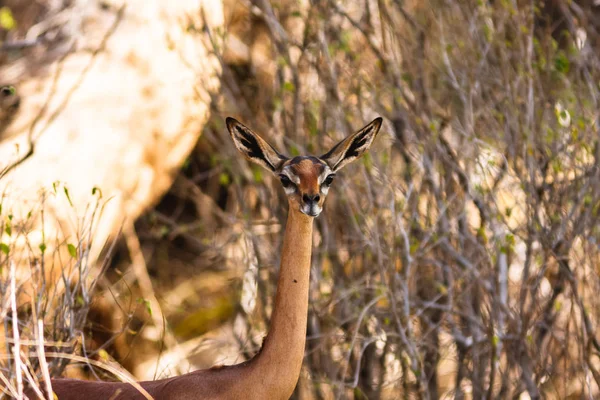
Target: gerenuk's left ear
352 147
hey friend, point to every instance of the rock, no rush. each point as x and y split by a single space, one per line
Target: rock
120 113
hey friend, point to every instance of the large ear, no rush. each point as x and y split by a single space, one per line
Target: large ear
253 147
353 146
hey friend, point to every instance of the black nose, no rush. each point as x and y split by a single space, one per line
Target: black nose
314 198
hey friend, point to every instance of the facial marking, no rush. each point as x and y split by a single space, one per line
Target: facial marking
326 172
308 175
308 171
289 190
305 172
289 172
312 209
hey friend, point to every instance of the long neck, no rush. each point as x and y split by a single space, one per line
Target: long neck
283 350
271 374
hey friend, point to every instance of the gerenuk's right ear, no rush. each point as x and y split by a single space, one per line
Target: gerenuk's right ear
253 147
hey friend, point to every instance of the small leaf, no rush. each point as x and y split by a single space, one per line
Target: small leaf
257 174
10 89
4 248
510 239
164 231
482 235
68 197
495 340
72 250
281 61
97 190
146 303
43 247
561 63
7 21
294 151
558 306
289 87
8 230
367 161
224 179
103 355
442 289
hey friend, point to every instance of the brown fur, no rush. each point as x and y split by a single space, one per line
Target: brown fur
308 170
271 374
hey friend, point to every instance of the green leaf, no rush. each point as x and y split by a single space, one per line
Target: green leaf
7 21
43 247
367 161
97 190
68 197
495 340
164 231
414 246
146 303
294 151
224 179
72 250
558 306
257 174
562 64
11 89
289 87
281 61
8 230
4 248
556 166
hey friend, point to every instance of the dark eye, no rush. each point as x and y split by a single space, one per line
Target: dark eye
285 181
329 180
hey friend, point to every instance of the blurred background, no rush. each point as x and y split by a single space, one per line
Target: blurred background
458 259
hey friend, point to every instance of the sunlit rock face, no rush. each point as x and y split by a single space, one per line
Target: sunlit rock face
120 113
